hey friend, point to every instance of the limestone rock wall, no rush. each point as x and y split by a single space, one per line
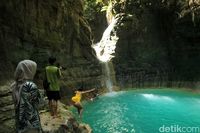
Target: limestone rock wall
38 29
6 109
65 124
158 43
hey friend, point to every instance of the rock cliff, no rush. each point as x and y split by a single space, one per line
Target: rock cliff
38 29
66 123
158 43
7 109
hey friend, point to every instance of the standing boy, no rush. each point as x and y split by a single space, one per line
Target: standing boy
53 92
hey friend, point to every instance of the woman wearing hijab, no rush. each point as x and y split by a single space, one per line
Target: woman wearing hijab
26 98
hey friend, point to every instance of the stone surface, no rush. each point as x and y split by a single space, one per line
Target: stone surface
7 126
158 43
49 124
4 90
66 123
6 109
38 29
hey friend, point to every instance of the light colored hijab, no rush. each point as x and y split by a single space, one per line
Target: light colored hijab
25 70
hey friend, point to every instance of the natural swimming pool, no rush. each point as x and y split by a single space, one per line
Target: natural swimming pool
144 111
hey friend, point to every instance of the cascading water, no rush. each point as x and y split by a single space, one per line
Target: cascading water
105 50
109 83
106 47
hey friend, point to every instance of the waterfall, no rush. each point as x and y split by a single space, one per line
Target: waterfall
108 81
105 49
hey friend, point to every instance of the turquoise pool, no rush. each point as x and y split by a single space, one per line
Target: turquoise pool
144 111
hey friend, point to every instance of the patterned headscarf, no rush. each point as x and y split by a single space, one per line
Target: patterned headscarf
25 70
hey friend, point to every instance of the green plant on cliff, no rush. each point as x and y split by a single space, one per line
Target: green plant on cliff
105 4
91 8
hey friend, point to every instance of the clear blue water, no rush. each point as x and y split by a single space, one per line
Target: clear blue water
143 111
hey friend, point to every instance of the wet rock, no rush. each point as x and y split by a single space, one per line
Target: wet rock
66 123
7 126
5 90
6 100
6 109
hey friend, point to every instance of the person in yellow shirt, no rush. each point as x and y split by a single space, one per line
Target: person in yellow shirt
76 100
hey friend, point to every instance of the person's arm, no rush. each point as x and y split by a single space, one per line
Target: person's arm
87 91
35 96
45 81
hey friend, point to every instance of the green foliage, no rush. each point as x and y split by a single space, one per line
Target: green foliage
104 8
104 2
91 8
99 1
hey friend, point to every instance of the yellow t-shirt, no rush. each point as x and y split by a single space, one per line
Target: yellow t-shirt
77 97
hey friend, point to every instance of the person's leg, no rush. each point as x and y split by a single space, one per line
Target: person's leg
56 98
80 113
51 107
56 108
79 108
50 98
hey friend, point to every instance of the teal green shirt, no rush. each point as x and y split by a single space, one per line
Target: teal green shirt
53 74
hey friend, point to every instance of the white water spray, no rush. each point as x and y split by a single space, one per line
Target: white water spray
106 47
105 50
109 83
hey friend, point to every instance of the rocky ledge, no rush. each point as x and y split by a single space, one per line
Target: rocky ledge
66 123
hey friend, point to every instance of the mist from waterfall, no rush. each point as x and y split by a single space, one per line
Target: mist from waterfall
105 49
109 83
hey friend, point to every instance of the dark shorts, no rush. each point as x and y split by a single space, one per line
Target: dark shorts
53 95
